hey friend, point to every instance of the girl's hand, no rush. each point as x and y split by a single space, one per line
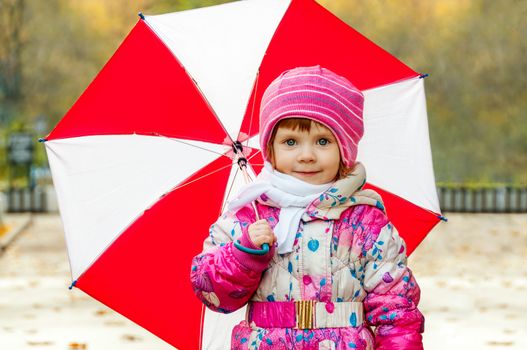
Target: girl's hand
260 232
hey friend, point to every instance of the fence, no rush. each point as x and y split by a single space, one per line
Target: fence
462 199
40 199
483 200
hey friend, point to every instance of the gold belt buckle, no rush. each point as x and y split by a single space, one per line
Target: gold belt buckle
304 314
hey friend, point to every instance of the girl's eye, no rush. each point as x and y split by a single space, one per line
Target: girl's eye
323 142
290 142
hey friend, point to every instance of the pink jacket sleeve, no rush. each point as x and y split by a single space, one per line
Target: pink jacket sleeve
223 277
393 293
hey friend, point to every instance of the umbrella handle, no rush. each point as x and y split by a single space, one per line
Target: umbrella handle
263 251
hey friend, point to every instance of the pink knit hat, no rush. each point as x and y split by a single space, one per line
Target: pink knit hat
318 94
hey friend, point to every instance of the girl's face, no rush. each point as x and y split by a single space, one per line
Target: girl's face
312 156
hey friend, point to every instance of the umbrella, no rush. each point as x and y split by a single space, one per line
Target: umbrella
143 162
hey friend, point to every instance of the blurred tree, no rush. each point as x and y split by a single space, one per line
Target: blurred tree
11 46
162 6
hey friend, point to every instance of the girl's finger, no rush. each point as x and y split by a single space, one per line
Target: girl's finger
264 234
262 228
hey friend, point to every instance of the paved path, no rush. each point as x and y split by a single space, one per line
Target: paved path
472 271
473 276
37 311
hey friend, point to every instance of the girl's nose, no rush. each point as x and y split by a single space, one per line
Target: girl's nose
306 154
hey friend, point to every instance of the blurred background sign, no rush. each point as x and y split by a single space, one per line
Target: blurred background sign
20 148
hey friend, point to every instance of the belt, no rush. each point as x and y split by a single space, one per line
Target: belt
305 314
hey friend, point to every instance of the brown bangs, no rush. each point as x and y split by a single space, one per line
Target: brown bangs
303 124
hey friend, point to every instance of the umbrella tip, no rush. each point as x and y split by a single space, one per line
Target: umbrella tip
423 76
42 139
140 14
72 285
442 218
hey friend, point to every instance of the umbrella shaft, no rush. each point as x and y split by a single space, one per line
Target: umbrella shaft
248 180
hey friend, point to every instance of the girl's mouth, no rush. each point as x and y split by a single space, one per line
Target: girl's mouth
307 173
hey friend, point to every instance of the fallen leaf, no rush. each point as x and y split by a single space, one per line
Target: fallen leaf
40 343
131 337
500 343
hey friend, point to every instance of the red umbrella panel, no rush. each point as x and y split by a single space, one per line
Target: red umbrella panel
142 163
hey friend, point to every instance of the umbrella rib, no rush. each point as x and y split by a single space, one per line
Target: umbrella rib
199 178
252 109
189 144
230 189
210 106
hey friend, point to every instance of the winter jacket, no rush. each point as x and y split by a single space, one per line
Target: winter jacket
345 250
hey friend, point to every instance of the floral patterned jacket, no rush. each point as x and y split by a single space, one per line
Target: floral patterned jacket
345 249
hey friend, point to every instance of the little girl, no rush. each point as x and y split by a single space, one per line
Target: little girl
337 266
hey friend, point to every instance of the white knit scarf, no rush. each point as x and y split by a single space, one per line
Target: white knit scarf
289 193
